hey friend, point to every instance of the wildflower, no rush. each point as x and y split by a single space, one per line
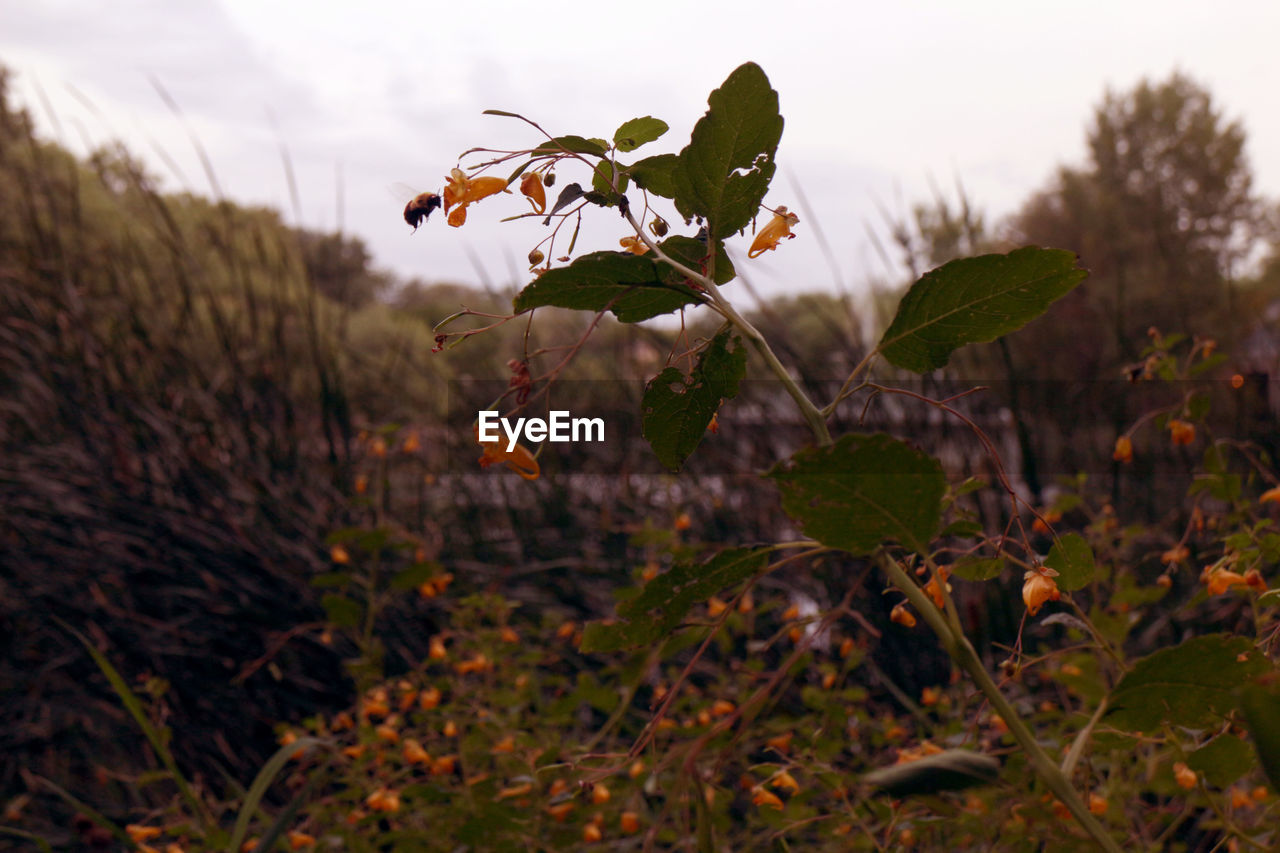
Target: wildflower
599 794
560 811
462 191
1124 450
769 236
383 800
930 696
436 649
1039 587
761 797
1270 496
140 833
634 245
299 840
828 680
785 781
636 769
518 459
444 765
591 833
683 522
1046 518
934 589
629 822
715 606
414 753
1175 555
902 616
1253 580
340 555
504 746
531 186
429 698
1220 580
1184 776
1240 798
846 647
721 708
515 791
412 444
1237 381
1097 804
780 743
1181 432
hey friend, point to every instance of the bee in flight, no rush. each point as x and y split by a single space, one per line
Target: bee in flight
419 208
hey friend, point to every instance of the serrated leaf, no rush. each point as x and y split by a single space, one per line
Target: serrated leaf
1192 684
574 145
631 286
974 569
951 770
656 174
725 169
663 603
973 300
1072 558
677 409
863 490
1222 760
1261 704
638 131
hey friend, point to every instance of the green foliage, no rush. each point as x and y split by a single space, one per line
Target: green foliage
862 491
1072 558
634 288
678 408
662 604
974 300
638 131
1193 684
724 171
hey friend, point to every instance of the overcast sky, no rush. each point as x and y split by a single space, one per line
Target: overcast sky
877 97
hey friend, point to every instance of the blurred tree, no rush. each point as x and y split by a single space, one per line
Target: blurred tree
339 268
1163 215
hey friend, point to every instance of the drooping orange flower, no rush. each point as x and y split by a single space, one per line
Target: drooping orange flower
778 229
1175 555
1220 580
1270 496
763 798
518 459
1181 432
934 590
634 245
531 186
1037 588
902 616
1184 776
462 191
1124 450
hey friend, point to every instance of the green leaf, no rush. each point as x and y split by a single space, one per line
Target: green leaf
600 180
725 169
973 569
963 528
631 286
261 783
639 131
863 490
662 604
574 145
416 575
973 300
677 409
951 770
1261 704
1192 684
656 174
1072 558
329 580
341 611
693 254
1222 760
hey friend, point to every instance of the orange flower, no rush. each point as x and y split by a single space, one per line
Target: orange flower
761 797
1181 432
903 616
1220 580
531 186
1097 804
1237 381
629 823
1270 496
1037 588
1124 450
769 236
934 590
462 191
299 840
634 245
1175 555
519 459
340 555
1184 776
140 833
785 780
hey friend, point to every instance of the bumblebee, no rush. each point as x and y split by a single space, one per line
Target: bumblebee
419 208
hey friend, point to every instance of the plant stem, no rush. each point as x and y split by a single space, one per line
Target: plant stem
962 652
813 417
